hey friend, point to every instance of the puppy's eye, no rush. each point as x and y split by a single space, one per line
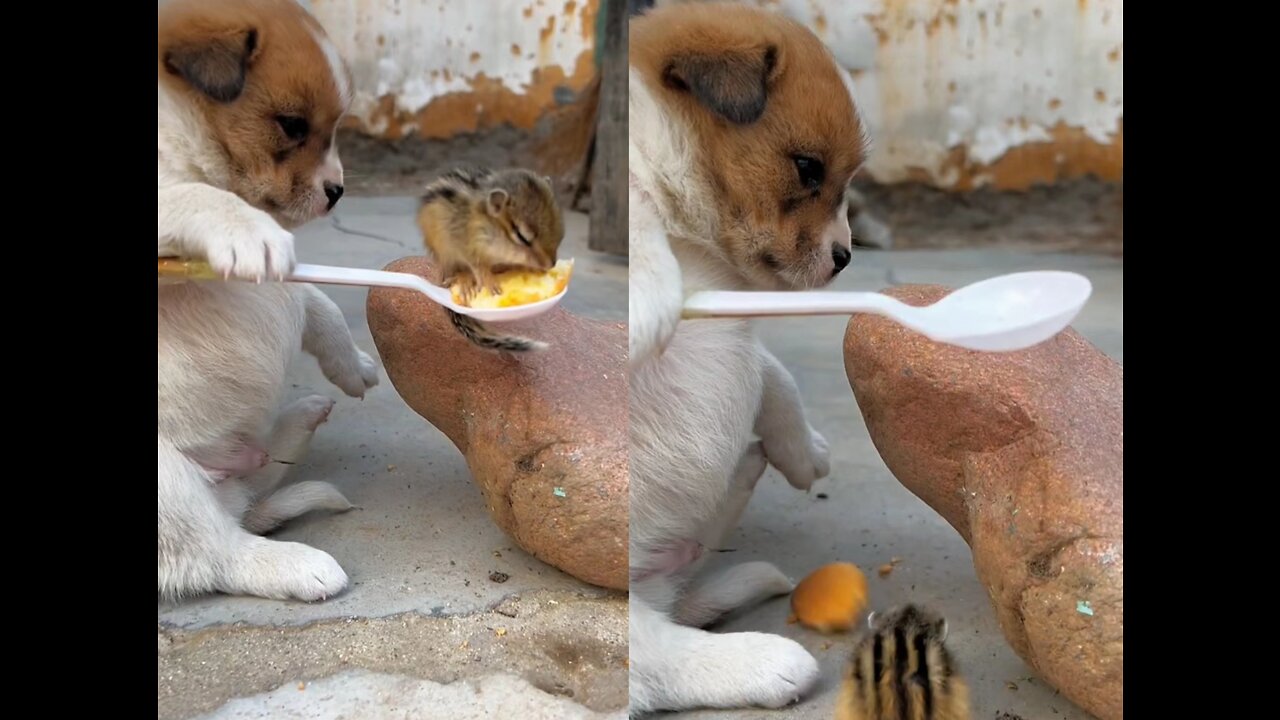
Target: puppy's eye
295 128
812 172
522 238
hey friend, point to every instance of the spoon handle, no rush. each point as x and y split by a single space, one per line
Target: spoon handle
172 269
332 275
729 304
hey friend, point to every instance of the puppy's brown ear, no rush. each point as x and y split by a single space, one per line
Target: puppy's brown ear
214 65
733 85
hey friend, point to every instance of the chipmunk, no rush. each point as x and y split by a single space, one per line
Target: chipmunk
901 670
477 222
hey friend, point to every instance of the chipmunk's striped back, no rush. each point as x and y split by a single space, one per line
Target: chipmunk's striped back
901 670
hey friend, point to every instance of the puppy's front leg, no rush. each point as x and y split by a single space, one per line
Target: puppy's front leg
328 338
237 239
798 451
656 288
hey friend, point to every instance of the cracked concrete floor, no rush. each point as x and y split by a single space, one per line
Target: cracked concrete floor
421 611
868 518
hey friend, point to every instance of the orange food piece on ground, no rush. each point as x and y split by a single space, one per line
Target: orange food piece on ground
831 599
521 287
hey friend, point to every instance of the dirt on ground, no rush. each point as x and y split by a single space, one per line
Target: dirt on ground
561 643
1084 215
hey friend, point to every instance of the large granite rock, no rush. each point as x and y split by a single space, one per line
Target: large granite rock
544 433
1023 453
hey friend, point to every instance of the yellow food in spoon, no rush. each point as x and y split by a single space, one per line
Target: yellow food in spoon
521 287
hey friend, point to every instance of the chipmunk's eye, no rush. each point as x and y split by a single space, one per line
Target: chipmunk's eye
521 236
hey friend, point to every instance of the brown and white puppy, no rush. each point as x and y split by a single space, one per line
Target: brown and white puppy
743 137
250 93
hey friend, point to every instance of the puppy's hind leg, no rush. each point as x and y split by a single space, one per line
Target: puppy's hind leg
328 338
201 547
741 486
290 436
289 441
290 502
728 589
674 667
708 598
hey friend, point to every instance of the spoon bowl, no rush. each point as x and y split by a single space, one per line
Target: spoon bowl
1004 313
1000 314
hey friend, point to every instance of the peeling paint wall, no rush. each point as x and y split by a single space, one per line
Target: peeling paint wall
964 93
957 93
441 67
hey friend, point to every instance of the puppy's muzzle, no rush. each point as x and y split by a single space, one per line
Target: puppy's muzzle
333 191
840 255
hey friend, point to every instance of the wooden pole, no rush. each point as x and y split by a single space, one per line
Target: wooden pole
609 167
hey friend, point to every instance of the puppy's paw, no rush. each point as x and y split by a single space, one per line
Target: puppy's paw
251 246
311 412
801 460
286 570
771 671
355 376
316 575
368 369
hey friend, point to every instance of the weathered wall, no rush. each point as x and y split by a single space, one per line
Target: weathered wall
957 93
440 67
963 93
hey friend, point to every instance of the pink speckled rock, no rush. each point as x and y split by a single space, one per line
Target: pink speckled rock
544 433
1023 453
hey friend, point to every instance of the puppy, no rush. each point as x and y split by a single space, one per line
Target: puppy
250 94
743 137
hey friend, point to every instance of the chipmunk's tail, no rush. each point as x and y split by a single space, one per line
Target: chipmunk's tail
472 330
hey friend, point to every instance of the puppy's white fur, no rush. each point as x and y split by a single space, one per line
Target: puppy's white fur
699 391
224 349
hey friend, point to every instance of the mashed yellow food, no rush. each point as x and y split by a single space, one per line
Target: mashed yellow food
831 598
521 287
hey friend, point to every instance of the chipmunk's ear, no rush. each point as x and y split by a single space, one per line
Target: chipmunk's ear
497 201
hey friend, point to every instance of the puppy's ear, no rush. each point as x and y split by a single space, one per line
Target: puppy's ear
733 85
214 65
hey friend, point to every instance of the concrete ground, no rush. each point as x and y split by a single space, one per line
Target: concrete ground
422 631
868 518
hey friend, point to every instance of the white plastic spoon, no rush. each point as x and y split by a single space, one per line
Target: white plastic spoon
330 275
1004 313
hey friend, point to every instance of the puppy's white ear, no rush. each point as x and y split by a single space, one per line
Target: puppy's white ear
215 64
733 85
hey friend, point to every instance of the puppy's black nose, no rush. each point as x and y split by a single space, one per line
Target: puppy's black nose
333 191
841 256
